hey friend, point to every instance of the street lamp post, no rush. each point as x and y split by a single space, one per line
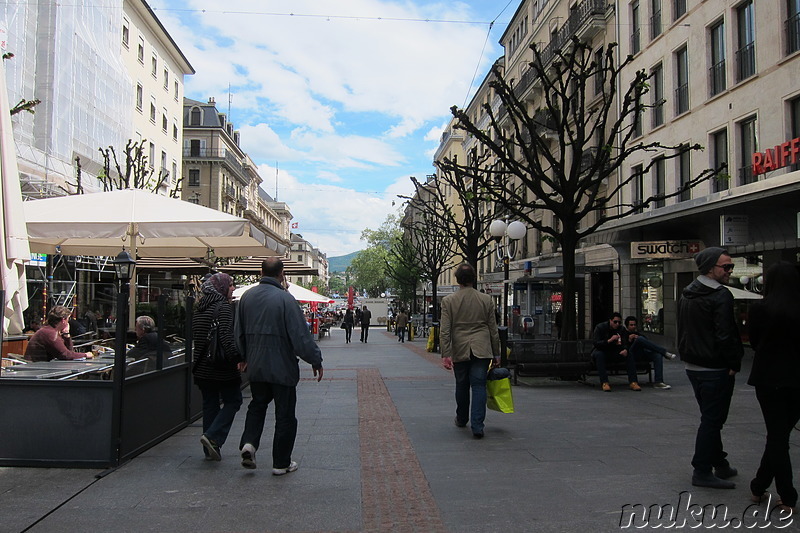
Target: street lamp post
506 236
124 267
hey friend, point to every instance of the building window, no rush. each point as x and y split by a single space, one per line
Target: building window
792 26
140 51
682 81
164 170
794 114
154 66
126 33
194 177
174 131
717 81
655 19
684 173
175 91
657 92
174 170
651 298
746 54
636 28
164 123
600 76
747 145
152 112
166 79
678 9
139 97
638 118
719 155
637 187
195 117
194 148
152 161
659 181
299 258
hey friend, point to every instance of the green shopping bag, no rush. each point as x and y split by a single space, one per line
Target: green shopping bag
498 395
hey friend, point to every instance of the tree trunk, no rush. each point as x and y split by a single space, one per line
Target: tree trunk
569 313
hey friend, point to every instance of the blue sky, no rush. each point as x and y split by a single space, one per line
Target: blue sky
346 99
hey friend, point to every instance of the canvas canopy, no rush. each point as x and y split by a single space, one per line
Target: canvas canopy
300 294
105 222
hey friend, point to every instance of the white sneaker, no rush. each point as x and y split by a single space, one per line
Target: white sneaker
662 386
249 456
670 356
281 471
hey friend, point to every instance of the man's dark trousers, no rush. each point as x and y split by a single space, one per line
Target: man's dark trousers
364 333
713 390
285 421
600 359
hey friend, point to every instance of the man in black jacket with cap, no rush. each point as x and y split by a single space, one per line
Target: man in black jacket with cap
710 346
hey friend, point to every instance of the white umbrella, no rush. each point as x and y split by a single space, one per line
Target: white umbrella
300 294
148 224
740 294
14 249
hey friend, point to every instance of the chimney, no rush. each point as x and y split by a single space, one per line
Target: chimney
211 100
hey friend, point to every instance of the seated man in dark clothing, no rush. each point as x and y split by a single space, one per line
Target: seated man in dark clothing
608 338
642 349
147 342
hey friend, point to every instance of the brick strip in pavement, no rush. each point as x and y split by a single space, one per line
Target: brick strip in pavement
395 495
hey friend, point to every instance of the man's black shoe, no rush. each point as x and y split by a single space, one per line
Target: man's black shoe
725 472
478 435
711 481
460 424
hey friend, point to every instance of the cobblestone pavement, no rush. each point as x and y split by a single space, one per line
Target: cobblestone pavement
378 451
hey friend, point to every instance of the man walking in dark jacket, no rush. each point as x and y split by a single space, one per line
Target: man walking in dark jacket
366 317
271 333
710 346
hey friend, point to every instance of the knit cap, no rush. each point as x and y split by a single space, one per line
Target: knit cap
707 258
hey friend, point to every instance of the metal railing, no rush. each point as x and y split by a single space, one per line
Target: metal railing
579 16
720 183
655 25
682 99
716 77
793 34
746 175
745 61
636 42
216 153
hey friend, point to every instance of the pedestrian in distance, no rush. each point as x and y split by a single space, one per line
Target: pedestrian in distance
710 347
402 324
643 349
776 377
469 342
347 323
366 317
271 334
609 344
218 384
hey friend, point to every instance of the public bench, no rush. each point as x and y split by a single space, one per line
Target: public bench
550 358
325 329
568 360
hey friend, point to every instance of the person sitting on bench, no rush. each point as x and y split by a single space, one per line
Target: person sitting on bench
608 344
642 349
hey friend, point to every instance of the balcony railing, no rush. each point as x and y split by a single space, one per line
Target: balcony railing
216 153
746 175
745 61
636 42
655 25
682 99
658 113
716 78
579 16
793 34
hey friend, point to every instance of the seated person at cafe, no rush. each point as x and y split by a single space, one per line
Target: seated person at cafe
609 345
53 341
643 349
147 342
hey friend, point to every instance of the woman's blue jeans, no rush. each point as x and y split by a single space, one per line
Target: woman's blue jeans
471 375
217 420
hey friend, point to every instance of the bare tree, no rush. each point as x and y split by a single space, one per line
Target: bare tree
22 105
564 153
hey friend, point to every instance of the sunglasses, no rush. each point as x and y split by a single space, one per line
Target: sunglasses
727 267
616 322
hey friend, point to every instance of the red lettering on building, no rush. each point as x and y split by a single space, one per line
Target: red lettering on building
780 156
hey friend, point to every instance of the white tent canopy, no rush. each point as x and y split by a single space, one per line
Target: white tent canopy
102 223
740 294
300 294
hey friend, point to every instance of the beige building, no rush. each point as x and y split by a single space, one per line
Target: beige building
218 174
304 254
156 67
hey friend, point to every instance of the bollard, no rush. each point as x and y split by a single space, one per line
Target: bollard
503 333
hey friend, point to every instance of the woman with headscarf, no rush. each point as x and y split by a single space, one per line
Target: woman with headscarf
776 377
218 383
347 324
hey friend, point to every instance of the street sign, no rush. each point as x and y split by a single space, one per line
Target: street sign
733 230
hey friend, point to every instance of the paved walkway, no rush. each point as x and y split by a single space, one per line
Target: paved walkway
378 451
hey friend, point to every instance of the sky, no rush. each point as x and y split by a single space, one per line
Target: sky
338 103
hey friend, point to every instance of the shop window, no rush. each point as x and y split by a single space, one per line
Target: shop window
651 298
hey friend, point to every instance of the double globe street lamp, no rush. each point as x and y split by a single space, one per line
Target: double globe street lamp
506 236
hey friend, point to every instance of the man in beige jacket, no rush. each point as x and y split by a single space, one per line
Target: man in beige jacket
469 340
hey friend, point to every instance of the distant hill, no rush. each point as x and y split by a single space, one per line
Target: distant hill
340 264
